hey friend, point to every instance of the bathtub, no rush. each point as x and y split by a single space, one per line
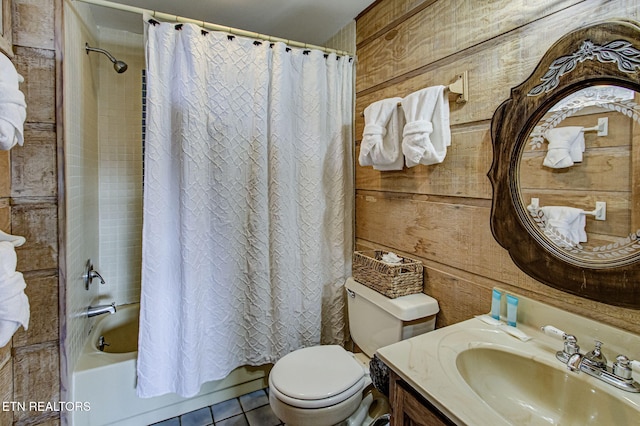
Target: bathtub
105 380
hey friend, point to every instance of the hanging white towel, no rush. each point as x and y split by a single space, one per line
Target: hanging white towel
568 222
426 135
12 106
566 145
14 305
381 137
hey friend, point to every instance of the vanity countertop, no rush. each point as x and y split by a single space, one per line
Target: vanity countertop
428 363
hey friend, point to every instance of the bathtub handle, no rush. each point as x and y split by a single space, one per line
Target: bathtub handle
90 274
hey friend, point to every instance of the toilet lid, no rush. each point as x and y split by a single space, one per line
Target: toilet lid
325 372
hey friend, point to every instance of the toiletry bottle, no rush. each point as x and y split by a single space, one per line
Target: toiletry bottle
496 297
512 310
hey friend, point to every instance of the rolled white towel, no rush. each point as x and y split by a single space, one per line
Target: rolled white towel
427 134
12 106
14 304
566 145
381 140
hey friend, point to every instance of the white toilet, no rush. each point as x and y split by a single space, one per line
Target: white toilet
322 385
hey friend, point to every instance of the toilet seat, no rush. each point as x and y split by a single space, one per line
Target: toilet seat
316 377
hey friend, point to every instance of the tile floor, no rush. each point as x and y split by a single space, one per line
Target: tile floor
252 409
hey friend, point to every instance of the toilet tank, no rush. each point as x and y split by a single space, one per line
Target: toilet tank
376 320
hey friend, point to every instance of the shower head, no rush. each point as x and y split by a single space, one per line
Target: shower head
119 66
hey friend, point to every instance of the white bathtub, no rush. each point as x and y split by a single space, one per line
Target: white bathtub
106 380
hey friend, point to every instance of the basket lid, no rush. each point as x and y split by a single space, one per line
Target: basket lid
405 308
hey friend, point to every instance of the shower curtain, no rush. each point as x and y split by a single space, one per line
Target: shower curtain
247 223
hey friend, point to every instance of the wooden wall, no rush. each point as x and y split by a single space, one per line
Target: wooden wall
29 365
440 214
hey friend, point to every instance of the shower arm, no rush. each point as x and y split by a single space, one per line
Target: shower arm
119 66
97 49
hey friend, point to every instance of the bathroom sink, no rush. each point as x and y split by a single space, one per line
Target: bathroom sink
526 391
479 374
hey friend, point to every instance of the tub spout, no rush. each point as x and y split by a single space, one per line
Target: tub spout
93 311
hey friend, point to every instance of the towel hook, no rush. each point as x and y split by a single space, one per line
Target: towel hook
460 87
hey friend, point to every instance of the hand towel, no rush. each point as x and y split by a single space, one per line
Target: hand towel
14 305
566 145
12 106
380 145
567 221
426 135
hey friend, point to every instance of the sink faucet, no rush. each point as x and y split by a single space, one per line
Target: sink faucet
93 311
596 357
575 361
594 363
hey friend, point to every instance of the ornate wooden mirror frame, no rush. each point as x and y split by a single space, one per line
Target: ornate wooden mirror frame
602 53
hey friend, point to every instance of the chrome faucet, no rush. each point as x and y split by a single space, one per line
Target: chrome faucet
93 311
90 274
596 357
594 363
575 362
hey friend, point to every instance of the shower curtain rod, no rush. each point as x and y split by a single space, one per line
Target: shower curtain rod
210 26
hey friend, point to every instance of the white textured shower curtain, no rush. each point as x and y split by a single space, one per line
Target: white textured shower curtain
247 205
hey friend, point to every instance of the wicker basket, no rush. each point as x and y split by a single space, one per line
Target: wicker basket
392 280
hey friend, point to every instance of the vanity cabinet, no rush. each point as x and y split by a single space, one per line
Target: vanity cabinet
411 409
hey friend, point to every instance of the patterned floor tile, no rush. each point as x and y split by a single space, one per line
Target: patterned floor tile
201 417
239 420
226 409
262 416
254 400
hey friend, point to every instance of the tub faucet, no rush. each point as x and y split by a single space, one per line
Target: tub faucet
93 311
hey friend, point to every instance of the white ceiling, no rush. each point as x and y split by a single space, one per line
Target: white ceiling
307 21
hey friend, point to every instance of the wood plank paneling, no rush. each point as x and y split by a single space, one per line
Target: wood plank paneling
602 170
38 68
5 215
5 174
42 291
6 387
37 222
440 214
35 378
31 211
34 164
384 14
434 230
470 151
494 66
33 23
461 24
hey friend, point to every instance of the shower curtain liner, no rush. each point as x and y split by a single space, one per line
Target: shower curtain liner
247 223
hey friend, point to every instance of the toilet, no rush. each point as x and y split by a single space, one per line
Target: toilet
323 385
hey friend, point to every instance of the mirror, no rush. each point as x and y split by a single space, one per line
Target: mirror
577 167
566 167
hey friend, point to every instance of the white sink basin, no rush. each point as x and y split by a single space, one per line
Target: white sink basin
476 374
526 391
